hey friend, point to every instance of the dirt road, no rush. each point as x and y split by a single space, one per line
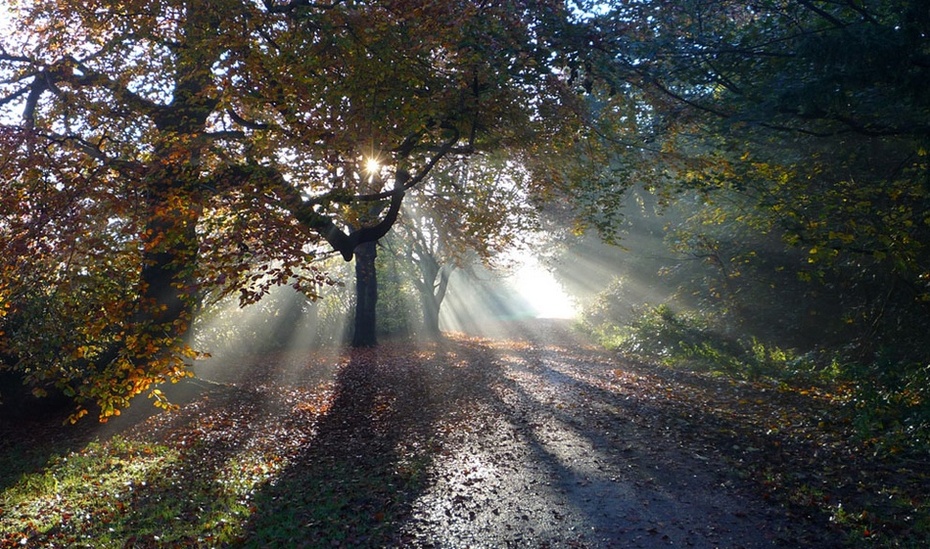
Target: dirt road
569 453
534 439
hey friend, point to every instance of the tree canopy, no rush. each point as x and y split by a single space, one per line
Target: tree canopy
158 152
790 139
469 213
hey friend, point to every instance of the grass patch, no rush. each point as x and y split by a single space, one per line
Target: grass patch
264 464
336 504
119 492
80 497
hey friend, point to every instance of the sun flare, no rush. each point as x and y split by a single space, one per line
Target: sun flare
372 166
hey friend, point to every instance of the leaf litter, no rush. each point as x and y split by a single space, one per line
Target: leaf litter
534 441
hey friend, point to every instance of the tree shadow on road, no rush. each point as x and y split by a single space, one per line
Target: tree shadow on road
355 481
411 445
572 454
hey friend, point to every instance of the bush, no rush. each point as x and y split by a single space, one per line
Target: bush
890 400
685 339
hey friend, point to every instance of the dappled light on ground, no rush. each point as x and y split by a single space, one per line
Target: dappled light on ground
554 458
533 438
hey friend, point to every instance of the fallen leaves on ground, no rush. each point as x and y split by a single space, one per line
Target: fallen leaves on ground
384 446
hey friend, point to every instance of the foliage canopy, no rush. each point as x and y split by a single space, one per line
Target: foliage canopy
159 152
789 141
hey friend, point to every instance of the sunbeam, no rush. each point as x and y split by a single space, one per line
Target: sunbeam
481 306
284 324
539 288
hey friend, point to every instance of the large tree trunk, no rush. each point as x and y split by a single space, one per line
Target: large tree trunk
366 295
430 315
167 282
154 342
156 338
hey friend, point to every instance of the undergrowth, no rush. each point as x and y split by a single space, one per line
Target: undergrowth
884 404
887 400
126 493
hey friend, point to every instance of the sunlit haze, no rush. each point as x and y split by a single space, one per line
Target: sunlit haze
540 289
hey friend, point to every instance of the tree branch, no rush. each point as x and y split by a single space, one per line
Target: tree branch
125 167
90 77
823 14
39 86
409 182
246 123
291 6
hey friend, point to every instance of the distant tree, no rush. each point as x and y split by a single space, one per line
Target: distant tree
470 212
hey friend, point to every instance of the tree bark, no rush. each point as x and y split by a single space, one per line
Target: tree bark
168 290
366 295
430 315
167 277
432 290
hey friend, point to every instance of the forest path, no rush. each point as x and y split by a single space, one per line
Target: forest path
535 438
576 448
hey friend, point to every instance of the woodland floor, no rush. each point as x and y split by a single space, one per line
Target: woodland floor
533 439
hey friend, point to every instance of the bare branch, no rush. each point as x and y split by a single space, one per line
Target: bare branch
823 14
5 56
39 86
125 167
91 77
15 95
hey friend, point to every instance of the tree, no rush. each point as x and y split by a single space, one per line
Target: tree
480 85
796 135
118 119
814 108
218 145
472 211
